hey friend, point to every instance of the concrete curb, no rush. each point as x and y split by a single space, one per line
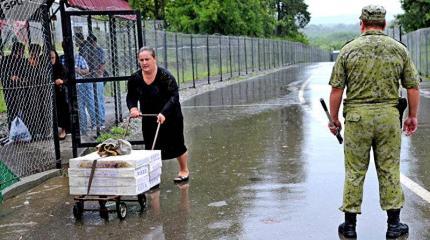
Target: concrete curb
28 183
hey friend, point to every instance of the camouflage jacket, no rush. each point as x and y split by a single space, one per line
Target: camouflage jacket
370 68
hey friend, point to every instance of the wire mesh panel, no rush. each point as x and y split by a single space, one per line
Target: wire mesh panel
418 43
26 93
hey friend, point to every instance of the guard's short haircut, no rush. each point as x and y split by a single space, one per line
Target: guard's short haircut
374 23
148 49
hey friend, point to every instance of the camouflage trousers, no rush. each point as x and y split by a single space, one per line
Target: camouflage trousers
376 128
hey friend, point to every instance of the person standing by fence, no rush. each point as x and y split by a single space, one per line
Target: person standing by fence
12 76
95 57
85 90
156 91
370 67
60 80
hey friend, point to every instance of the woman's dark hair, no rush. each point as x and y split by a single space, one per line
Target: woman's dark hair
147 49
57 58
58 70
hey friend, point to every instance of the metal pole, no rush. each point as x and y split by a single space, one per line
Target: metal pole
165 49
259 54
220 58
264 53
182 60
192 61
207 59
229 55
141 42
238 54
47 51
69 61
246 58
427 52
177 59
252 54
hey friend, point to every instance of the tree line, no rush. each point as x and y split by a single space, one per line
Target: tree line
416 16
254 18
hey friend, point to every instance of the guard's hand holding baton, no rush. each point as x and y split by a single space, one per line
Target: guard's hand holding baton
337 133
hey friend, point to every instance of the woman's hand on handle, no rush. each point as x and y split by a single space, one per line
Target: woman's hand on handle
161 118
134 113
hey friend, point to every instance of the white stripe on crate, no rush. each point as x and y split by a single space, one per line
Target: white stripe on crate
415 188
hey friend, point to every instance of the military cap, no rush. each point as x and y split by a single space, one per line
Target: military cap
373 13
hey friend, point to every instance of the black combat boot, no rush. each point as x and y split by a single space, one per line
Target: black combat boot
395 227
347 229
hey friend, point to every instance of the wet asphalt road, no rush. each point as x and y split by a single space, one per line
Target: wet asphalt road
263 166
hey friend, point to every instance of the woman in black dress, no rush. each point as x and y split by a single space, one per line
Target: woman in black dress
59 77
156 91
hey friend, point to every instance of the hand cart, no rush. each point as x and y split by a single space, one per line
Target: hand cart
120 206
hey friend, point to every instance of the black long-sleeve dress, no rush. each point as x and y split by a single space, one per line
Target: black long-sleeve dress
161 96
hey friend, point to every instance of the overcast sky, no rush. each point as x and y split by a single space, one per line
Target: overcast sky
347 11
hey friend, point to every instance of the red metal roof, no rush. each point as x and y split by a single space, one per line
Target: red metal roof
100 5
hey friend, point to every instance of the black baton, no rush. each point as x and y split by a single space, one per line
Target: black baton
338 136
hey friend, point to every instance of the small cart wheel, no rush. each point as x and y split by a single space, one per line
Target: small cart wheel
121 210
78 210
104 213
141 198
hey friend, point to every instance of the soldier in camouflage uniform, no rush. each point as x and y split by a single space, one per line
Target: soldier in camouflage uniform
370 67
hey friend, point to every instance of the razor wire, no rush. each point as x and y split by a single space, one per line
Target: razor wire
26 93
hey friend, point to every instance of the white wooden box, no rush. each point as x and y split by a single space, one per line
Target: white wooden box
133 160
139 185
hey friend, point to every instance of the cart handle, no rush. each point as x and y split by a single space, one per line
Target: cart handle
144 115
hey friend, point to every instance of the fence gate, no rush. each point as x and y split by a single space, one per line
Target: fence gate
100 52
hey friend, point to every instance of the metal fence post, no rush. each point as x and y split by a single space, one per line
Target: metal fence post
192 61
165 49
258 54
427 52
182 60
220 57
69 60
46 30
246 56
229 56
252 54
208 59
177 59
238 54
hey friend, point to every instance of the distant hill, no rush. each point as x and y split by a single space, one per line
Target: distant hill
331 37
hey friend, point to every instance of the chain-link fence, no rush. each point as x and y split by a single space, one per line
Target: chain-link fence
105 46
418 43
26 91
202 59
